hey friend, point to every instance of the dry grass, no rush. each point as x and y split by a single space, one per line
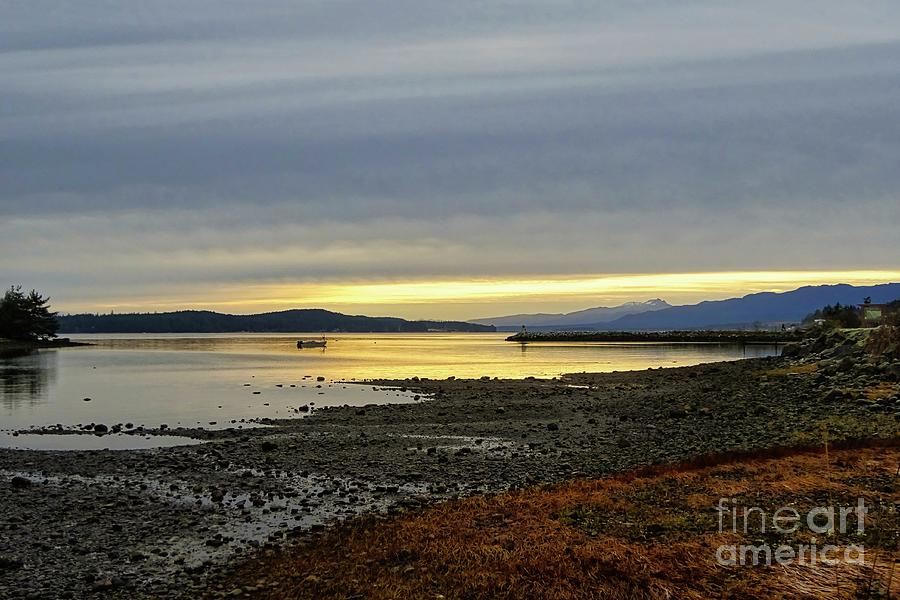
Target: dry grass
793 370
885 389
641 535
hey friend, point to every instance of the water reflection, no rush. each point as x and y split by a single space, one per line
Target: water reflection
26 379
226 380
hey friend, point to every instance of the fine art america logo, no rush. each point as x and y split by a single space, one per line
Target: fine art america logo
786 521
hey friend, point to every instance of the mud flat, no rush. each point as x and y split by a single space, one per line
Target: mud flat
168 522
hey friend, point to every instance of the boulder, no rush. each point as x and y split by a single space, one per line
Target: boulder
10 564
20 482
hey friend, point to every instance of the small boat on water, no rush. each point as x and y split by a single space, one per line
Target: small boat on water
312 343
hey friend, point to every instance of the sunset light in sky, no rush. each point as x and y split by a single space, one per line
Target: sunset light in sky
297 296
462 299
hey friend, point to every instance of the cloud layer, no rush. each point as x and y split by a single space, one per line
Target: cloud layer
201 145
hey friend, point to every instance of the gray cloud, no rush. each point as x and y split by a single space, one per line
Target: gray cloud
207 143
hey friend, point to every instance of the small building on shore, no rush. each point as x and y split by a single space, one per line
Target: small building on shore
871 315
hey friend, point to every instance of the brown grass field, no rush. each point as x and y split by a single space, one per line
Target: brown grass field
649 534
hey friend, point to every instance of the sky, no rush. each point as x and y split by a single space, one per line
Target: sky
445 159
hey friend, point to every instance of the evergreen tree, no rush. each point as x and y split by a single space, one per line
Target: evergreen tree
26 316
838 315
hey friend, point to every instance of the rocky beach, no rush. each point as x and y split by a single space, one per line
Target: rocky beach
446 300
173 522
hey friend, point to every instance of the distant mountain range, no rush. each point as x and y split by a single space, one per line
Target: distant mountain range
288 321
763 307
735 313
582 318
654 315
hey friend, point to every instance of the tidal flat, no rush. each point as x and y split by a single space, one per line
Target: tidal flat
173 522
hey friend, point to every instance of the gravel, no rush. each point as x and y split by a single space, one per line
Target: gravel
165 522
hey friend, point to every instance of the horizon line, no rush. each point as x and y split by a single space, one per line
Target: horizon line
678 289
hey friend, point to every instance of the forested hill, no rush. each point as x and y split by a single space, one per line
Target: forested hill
201 321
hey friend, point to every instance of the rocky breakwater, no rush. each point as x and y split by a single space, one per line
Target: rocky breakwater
697 337
858 366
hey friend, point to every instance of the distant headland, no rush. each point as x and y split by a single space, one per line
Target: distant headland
287 321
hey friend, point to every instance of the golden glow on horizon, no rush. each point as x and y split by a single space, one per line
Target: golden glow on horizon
609 286
469 298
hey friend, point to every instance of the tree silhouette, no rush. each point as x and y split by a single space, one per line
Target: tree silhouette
839 315
26 316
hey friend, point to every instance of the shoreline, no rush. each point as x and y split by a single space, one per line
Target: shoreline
10 348
172 522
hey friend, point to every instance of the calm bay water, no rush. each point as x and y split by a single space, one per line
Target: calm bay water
210 380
